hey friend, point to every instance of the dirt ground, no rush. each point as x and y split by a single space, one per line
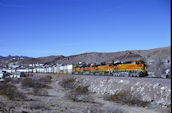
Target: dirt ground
54 100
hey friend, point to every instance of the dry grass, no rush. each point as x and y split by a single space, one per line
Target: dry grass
36 83
77 92
40 92
28 82
46 79
3 108
125 97
11 92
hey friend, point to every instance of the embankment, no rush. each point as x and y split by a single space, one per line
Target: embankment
154 90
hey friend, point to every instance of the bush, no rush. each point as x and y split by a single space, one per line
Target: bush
40 92
125 97
98 109
11 92
68 83
35 83
38 105
3 108
169 108
6 80
80 94
28 82
77 93
46 79
81 90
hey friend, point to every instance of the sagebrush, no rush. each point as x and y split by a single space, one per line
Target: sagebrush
125 97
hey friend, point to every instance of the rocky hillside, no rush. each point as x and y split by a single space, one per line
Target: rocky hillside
42 60
13 59
94 57
158 60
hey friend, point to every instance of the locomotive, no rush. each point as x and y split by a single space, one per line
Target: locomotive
127 69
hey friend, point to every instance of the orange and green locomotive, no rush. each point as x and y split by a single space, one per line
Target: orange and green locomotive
129 69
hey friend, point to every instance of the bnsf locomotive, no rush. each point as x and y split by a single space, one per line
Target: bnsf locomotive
128 69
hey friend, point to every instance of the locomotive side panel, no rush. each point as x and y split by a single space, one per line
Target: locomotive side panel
135 68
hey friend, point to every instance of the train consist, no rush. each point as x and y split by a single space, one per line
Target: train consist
128 69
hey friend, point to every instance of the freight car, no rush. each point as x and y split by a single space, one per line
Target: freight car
128 69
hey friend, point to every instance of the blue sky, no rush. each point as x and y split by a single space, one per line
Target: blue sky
66 27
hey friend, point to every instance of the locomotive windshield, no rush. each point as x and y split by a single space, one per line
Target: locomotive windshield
127 62
140 62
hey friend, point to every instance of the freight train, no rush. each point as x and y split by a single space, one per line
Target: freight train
128 69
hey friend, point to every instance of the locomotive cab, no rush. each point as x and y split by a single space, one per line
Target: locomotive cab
142 67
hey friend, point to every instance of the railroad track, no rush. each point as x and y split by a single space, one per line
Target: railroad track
163 81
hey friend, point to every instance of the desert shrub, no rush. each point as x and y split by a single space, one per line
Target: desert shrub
28 82
3 108
80 94
77 92
40 92
81 90
46 79
93 109
169 108
7 80
37 85
124 97
15 81
68 83
37 105
112 110
99 109
34 83
11 92
80 98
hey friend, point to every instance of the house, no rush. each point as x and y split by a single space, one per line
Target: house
15 75
1 75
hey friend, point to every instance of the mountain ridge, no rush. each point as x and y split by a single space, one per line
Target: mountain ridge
95 57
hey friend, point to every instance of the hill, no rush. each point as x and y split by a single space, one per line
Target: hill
94 57
158 60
